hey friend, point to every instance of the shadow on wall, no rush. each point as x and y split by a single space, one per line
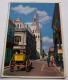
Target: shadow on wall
37 55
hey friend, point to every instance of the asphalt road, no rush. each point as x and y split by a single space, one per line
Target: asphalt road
40 68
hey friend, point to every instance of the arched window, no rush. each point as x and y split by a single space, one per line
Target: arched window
33 31
38 36
20 25
17 25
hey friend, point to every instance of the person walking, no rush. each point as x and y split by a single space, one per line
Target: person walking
12 65
48 60
51 60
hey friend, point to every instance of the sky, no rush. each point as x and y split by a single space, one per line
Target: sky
44 14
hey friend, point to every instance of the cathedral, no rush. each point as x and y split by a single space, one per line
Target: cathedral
36 31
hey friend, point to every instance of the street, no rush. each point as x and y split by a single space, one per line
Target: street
40 68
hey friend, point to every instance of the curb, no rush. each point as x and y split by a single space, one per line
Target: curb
59 70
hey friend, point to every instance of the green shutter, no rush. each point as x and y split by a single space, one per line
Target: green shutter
6 56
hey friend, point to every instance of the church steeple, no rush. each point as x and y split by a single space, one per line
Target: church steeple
36 31
35 15
35 22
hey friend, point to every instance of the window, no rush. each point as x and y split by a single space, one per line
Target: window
17 39
34 20
33 31
17 25
38 36
20 25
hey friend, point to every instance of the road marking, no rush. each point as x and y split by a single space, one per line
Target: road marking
45 70
42 67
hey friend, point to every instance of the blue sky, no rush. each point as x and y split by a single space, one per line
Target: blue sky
44 14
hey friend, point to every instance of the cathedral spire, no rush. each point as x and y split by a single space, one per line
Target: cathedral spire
35 22
35 15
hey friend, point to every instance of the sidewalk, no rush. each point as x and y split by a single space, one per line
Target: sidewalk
58 68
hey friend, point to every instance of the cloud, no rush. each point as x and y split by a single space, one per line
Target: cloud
24 10
47 40
45 47
43 17
29 24
40 25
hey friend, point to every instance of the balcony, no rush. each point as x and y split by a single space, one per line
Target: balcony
19 47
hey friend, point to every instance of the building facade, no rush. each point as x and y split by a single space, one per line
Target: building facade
57 38
51 51
24 38
10 42
36 31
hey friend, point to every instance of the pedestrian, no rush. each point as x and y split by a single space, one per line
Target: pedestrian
51 60
12 65
48 60
27 65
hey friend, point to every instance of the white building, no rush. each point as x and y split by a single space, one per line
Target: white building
36 31
24 38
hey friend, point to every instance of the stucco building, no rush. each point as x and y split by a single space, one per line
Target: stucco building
25 39
10 42
57 38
